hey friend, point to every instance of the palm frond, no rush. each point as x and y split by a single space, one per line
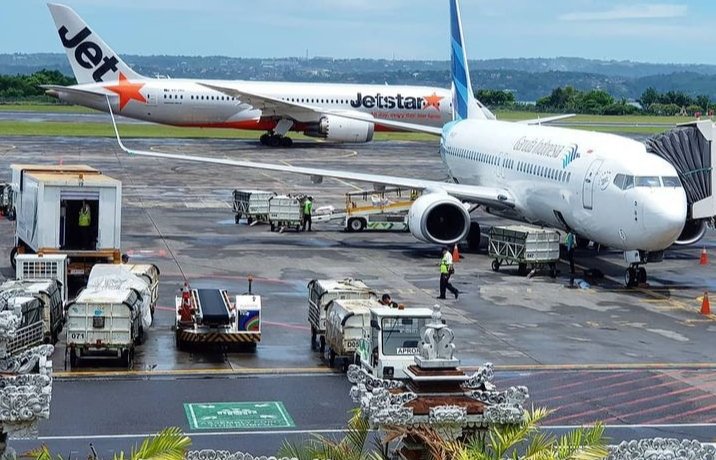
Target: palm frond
41 453
291 450
168 444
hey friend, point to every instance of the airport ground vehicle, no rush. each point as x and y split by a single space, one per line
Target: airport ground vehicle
389 345
385 210
207 318
104 323
51 303
528 247
321 293
49 200
286 211
345 321
253 205
7 207
30 330
43 267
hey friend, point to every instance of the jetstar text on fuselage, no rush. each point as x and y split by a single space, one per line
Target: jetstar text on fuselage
379 101
88 54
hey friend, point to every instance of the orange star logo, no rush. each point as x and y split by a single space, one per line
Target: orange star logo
127 91
433 101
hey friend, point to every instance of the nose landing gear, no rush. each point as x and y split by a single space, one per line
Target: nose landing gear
635 276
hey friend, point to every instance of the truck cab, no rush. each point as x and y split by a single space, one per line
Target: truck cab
388 346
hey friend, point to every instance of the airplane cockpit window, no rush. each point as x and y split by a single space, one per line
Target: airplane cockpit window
648 181
624 182
671 181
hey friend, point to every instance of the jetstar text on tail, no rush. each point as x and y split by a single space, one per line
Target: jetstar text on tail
88 54
398 101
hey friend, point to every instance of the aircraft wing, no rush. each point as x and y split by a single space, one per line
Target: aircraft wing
539 121
71 90
488 196
266 104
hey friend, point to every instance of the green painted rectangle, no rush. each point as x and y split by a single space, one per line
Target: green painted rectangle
238 416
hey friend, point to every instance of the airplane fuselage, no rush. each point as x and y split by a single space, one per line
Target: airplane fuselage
604 187
184 102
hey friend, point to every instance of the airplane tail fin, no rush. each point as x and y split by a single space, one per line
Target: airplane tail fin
464 103
92 60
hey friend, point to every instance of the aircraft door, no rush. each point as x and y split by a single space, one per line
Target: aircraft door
152 95
590 179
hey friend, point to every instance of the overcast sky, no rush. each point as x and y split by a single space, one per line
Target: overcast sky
683 32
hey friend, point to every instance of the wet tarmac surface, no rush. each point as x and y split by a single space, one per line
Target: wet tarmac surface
652 350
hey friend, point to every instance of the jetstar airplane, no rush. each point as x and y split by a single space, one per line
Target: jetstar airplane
603 187
274 107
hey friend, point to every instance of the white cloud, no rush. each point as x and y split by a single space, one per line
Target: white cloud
636 11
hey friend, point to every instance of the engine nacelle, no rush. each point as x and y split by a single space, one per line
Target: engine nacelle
693 231
438 218
339 129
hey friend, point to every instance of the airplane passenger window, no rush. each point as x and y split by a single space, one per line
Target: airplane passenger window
671 181
648 181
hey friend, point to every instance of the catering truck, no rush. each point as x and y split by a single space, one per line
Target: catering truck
64 209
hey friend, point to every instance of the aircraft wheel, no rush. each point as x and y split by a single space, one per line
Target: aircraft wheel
274 141
630 277
264 139
641 275
286 142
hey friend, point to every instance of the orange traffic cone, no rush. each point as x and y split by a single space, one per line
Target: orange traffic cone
455 254
706 305
704 257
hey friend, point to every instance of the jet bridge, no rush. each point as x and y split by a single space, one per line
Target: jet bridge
690 147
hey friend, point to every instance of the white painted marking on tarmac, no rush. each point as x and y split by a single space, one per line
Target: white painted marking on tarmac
341 430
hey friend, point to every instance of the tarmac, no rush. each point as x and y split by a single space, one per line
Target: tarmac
649 348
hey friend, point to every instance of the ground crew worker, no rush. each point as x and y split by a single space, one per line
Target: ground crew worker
570 243
446 270
307 210
84 221
387 301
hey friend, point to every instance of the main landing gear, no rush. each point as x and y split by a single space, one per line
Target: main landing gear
274 140
635 276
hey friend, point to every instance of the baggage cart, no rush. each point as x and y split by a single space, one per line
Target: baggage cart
30 330
321 293
253 205
104 324
50 297
286 212
529 248
346 319
43 267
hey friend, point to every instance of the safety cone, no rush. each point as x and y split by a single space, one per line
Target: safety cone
704 257
706 305
455 254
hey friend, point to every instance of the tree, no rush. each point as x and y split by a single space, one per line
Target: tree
168 444
703 101
495 98
648 97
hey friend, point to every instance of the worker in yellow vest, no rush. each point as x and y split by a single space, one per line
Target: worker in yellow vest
307 210
446 271
84 222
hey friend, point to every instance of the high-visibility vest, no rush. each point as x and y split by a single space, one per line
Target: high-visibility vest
445 265
85 219
307 207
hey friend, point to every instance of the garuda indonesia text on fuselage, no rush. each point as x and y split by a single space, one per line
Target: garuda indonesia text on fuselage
274 107
604 188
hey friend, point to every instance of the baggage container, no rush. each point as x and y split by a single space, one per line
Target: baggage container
43 267
253 205
525 246
29 332
48 204
286 211
321 293
104 323
346 321
50 297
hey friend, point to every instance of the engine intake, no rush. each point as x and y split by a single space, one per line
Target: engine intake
438 218
692 233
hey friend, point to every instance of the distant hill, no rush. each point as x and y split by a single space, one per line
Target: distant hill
529 79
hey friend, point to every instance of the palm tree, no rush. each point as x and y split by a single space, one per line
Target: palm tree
168 444
351 447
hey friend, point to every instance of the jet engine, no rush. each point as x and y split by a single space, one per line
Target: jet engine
693 231
339 129
438 218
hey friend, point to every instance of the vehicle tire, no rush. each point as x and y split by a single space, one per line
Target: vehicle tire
331 358
12 214
552 270
356 224
73 358
126 358
313 338
13 262
473 237
286 142
521 269
140 336
495 265
641 276
237 218
322 344
346 363
264 139
273 227
249 220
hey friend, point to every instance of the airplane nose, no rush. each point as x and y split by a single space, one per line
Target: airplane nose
664 218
